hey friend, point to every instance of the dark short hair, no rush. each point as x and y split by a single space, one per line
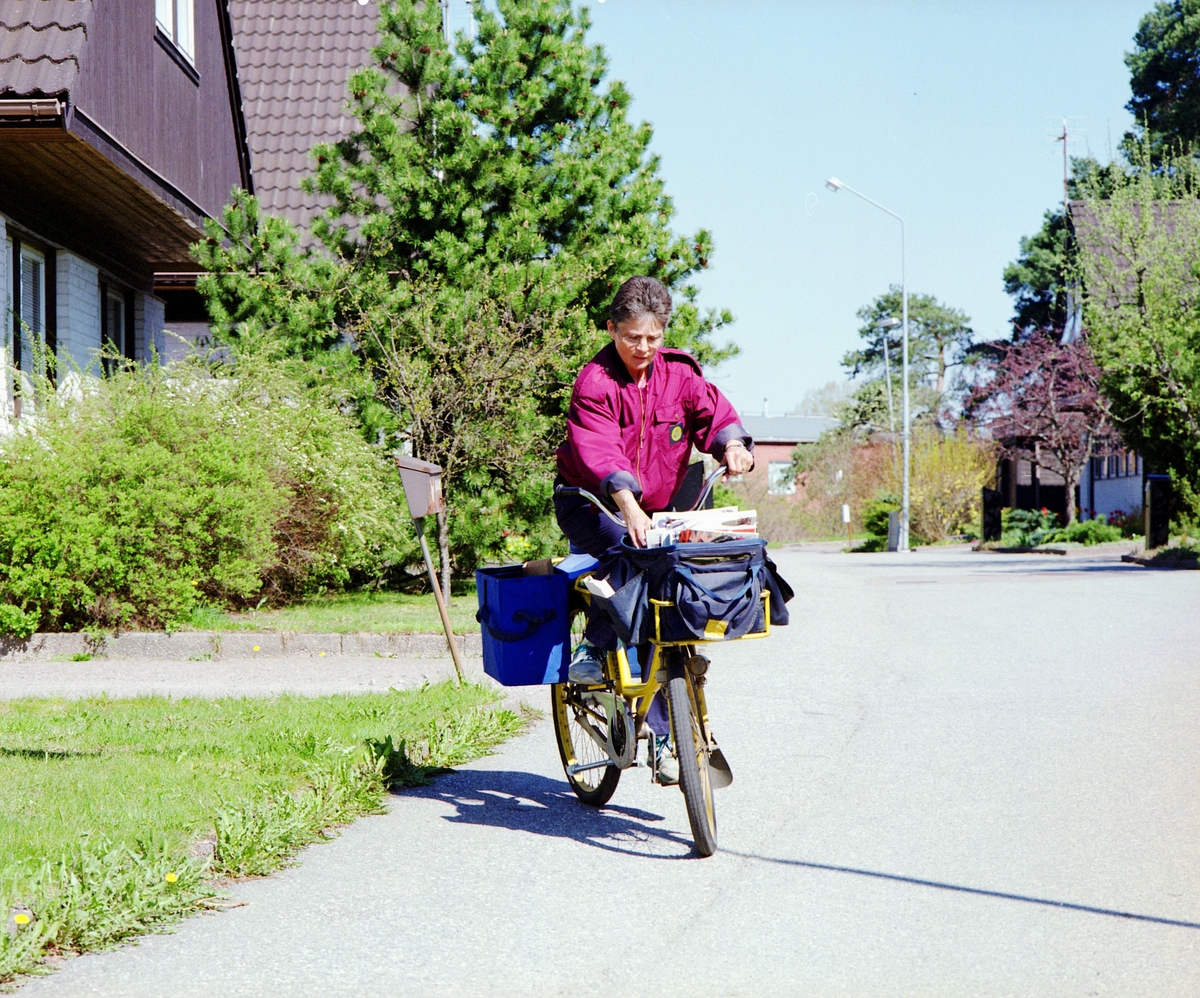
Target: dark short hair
640 296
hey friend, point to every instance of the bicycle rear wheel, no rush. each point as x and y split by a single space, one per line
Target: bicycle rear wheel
691 746
576 747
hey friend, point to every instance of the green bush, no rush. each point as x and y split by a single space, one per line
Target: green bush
1097 531
875 513
130 500
1027 528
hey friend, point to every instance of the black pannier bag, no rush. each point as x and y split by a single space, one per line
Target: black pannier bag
714 591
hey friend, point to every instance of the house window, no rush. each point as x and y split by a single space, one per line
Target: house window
779 479
30 305
175 20
116 327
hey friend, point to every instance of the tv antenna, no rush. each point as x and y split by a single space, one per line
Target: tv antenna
1064 133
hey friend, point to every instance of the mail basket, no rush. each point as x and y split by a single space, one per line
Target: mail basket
526 625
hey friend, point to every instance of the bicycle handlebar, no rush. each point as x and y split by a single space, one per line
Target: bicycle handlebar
572 490
709 482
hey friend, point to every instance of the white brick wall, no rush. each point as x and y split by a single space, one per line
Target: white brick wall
181 338
148 316
78 314
5 320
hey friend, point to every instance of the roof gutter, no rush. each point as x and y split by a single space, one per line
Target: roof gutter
25 109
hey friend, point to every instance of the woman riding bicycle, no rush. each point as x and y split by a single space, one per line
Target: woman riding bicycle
637 410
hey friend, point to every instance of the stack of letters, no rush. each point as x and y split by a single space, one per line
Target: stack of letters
726 524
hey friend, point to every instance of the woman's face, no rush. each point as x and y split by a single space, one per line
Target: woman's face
637 342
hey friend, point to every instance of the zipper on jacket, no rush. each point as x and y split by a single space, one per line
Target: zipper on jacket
641 431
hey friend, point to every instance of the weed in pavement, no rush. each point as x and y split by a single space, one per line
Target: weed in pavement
102 802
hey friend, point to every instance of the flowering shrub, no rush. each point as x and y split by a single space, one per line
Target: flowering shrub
949 471
1130 524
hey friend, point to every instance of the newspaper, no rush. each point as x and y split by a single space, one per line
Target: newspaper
725 524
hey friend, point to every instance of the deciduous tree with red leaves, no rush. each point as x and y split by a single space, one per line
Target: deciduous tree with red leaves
1040 399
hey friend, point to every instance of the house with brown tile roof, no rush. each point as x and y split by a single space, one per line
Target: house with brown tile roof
120 132
294 59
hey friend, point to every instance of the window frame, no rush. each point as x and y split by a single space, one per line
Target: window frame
181 49
23 253
776 469
114 297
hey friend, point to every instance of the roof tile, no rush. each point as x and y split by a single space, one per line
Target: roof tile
294 58
40 43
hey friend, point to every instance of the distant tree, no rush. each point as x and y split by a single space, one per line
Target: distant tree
1139 250
1040 399
1164 71
938 338
1047 266
1038 279
827 400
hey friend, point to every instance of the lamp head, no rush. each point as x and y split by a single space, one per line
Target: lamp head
834 184
891 323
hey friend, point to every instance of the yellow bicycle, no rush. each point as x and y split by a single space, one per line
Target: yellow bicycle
598 727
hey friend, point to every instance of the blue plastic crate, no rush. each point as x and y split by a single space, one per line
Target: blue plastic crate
526 625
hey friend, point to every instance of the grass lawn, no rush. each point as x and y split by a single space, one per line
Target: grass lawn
103 802
343 613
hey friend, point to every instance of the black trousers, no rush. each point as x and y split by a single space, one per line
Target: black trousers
590 532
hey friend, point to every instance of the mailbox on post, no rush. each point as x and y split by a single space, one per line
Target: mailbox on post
423 489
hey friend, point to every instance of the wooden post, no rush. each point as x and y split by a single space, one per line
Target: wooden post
423 489
441 603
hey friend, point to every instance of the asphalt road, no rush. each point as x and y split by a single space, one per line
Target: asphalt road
955 774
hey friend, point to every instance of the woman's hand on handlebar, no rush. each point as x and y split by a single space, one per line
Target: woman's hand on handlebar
737 459
636 520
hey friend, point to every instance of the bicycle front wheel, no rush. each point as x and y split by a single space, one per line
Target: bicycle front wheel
691 746
572 716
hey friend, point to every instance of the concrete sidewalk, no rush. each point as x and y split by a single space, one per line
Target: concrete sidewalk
206 645
315 676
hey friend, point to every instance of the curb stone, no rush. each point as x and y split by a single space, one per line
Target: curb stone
214 645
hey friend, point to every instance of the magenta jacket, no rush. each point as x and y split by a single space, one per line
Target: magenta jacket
620 436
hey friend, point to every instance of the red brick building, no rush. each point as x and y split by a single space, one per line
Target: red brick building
775 438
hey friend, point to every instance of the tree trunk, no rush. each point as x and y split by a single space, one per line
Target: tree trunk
443 522
1072 481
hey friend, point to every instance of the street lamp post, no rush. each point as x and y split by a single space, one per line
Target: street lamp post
836 185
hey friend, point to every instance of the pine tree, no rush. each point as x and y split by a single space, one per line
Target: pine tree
938 338
498 181
507 155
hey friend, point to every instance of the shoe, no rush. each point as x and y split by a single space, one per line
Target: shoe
585 665
667 766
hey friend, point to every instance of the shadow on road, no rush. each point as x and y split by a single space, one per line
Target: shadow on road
983 570
1111 912
527 802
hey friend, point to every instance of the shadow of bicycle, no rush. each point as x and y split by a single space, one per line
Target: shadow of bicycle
526 802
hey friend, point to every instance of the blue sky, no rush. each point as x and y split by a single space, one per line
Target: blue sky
941 111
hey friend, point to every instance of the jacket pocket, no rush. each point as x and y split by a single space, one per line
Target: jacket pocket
671 427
